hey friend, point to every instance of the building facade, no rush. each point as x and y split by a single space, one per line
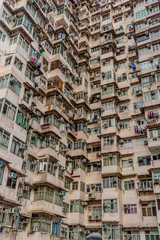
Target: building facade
79 119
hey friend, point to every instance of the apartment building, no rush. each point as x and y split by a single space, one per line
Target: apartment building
79 119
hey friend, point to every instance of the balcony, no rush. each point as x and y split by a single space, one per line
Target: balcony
108 130
63 20
47 207
107 170
153 143
47 178
111 217
109 149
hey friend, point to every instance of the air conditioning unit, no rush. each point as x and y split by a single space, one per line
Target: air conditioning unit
91 195
84 203
14 210
146 142
62 193
33 229
139 92
90 217
105 125
12 175
98 153
121 141
63 168
23 146
64 209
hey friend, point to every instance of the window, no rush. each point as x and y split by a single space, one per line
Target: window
124 125
11 181
30 74
76 206
144 51
156 47
153 10
93 188
31 163
23 43
145 65
112 232
106 17
108 141
130 208
22 223
79 144
8 61
126 143
97 167
41 222
149 209
112 182
156 175
106 75
94 212
64 233
129 185
14 84
124 108
95 49
152 235
110 160
13 40
7 108
67 183
43 194
141 14
132 235
156 157
2 36
108 90
6 216
121 65
142 38
58 200
47 165
106 63
56 226
26 192
110 206
141 141
127 163
4 138
18 64
2 169
146 184
22 120
138 105
140 26
82 186
143 161
17 147
148 96
75 186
